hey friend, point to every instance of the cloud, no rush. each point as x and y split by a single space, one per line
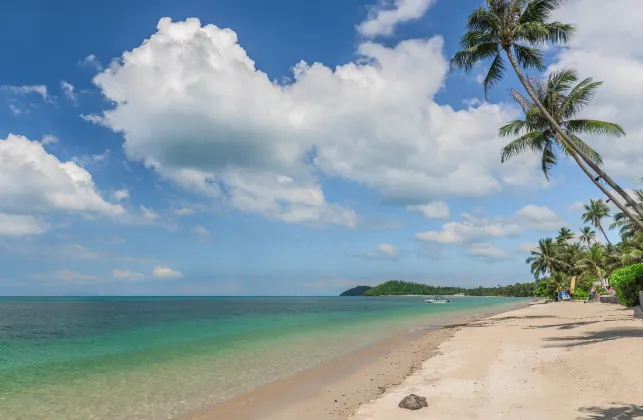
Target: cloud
539 218
436 210
67 276
487 252
120 195
384 18
63 251
126 275
15 110
27 89
201 231
383 252
388 250
163 272
528 247
88 160
68 90
612 54
575 207
49 139
191 105
149 214
473 229
20 225
34 181
92 61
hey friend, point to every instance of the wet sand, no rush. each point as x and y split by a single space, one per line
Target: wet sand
334 390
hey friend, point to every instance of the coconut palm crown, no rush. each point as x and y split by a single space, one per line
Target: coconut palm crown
595 212
514 27
563 98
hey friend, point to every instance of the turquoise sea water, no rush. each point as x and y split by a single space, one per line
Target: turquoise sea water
159 358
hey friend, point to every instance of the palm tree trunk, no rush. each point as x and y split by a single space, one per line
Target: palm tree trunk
603 232
568 140
608 193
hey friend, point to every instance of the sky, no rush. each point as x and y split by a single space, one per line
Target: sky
245 147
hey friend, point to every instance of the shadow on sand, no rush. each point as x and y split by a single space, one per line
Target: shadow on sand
620 412
596 337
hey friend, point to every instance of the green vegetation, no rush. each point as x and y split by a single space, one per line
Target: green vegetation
517 30
398 287
556 261
357 291
628 282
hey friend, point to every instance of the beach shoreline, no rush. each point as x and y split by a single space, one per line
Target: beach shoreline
566 360
336 389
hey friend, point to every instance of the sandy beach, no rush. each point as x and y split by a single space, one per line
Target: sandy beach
553 361
334 390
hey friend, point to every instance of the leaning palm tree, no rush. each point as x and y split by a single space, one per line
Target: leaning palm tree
564 98
545 259
587 235
596 211
516 28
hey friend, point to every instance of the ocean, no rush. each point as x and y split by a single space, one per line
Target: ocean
147 358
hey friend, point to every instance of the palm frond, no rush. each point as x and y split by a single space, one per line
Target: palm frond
595 127
533 141
495 73
579 97
560 33
483 20
591 153
539 10
529 57
514 128
468 58
562 80
531 32
549 159
524 103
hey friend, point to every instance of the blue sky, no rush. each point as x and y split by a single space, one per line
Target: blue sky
144 153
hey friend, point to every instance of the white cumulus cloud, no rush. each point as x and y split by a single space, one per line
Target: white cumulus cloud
35 181
436 210
21 225
487 252
539 218
386 15
472 229
192 105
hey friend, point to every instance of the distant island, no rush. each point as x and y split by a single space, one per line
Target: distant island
357 291
398 288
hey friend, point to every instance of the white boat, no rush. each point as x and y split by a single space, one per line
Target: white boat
437 299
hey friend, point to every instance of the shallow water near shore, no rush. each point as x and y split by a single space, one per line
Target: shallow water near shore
159 358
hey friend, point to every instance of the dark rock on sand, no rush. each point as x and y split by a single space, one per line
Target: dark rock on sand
413 402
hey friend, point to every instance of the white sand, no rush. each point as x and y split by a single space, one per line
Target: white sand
552 361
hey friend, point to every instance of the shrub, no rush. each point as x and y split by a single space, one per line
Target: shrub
581 294
628 282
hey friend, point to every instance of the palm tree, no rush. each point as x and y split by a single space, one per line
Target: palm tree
593 262
516 28
564 235
596 211
563 98
545 259
587 235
